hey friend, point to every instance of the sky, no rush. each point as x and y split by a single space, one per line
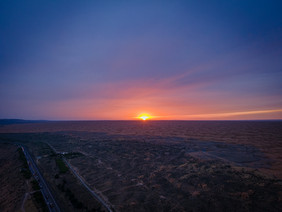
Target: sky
113 60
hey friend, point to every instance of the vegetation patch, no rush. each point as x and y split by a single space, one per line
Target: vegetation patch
45 149
72 155
61 165
72 198
35 185
39 199
25 170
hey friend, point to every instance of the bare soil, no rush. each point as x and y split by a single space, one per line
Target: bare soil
13 186
169 166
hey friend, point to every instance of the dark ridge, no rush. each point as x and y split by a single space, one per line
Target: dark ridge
18 121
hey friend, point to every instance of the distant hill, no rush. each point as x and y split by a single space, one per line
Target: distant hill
18 121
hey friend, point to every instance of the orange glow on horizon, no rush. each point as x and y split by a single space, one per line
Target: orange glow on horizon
144 116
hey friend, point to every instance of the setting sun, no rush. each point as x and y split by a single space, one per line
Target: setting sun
144 116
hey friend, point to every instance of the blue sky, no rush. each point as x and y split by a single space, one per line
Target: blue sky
116 59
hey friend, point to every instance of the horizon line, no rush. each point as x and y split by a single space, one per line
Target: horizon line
63 120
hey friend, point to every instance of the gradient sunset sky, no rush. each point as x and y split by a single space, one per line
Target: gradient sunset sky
100 60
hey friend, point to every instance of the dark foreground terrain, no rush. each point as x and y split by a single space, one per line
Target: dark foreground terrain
19 191
157 166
